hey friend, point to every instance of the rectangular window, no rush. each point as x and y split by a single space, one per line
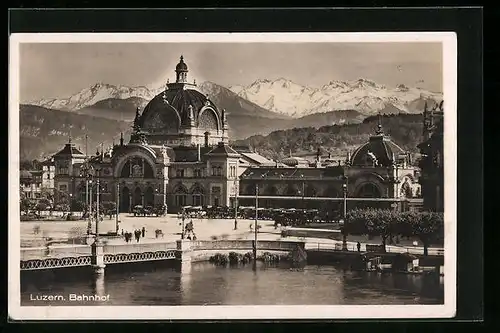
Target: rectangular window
180 173
63 187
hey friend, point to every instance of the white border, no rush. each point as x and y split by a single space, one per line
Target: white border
238 312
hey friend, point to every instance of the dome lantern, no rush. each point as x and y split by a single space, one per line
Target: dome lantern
181 71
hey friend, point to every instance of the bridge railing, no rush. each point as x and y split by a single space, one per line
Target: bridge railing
337 246
33 253
244 245
139 247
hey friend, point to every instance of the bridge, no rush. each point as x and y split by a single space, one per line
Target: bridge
102 255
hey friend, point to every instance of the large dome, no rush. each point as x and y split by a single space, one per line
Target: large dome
177 107
380 147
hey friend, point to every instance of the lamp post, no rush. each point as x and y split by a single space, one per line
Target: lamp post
117 205
90 204
70 202
183 219
235 203
256 225
165 195
303 191
344 236
97 208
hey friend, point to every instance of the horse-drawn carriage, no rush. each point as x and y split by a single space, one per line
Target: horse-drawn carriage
140 210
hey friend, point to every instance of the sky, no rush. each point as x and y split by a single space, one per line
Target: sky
60 70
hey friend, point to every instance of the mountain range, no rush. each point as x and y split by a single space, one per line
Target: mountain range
102 111
365 96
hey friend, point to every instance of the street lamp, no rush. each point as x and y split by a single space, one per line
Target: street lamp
97 207
303 191
344 236
183 219
235 203
117 205
256 224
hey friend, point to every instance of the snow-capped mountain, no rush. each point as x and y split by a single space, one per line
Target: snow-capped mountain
92 95
287 97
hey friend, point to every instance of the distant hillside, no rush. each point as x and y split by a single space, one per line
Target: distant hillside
43 131
115 108
404 129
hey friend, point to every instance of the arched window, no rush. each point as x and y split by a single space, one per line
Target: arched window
137 196
197 193
368 190
207 120
149 197
137 167
180 194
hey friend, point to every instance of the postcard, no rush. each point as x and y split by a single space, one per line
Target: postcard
207 176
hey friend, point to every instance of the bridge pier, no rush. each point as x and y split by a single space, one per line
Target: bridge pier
97 259
183 255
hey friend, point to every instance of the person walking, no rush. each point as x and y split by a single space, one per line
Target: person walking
143 232
358 246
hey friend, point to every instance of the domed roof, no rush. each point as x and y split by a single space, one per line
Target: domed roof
181 66
294 161
380 147
171 108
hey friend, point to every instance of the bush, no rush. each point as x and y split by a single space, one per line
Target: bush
219 259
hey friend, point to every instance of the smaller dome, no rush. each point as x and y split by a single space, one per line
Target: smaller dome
294 161
181 66
379 147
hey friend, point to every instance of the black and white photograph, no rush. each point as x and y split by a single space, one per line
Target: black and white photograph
240 176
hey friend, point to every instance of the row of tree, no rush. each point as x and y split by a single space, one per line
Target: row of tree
29 206
427 226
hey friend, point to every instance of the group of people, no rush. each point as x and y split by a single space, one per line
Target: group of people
138 233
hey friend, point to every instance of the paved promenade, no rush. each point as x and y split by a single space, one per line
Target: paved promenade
204 229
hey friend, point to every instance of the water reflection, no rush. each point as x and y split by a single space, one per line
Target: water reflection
204 283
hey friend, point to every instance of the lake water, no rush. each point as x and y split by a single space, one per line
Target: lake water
206 284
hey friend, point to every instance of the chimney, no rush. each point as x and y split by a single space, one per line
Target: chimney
199 152
206 139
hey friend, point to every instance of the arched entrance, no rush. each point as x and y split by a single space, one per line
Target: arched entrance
149 197
368 190
125 200
137 200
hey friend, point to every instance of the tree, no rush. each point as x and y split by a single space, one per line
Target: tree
427 226
27 205
43 205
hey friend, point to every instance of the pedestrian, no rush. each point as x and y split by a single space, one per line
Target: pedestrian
137 234
143 232
235 224
358 246
122 232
